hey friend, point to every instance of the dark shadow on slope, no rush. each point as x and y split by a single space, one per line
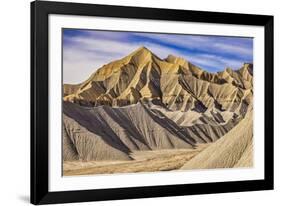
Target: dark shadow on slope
170 125
124 122
95 124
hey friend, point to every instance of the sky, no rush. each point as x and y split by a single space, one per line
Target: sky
84 51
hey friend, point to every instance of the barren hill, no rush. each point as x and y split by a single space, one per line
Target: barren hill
142 102
176 83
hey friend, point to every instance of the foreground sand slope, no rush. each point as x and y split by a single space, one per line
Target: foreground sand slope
233 150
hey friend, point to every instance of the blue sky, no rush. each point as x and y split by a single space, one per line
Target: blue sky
84 51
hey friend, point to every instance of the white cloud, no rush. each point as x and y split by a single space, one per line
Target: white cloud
233 48
86 55
205 43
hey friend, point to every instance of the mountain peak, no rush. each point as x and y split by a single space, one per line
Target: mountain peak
141 55
142 50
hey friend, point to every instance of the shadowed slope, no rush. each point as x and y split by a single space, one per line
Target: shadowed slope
81 144
120 129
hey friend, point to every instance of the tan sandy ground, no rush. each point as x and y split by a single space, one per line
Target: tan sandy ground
144 161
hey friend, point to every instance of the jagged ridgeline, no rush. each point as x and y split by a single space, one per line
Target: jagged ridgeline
143 102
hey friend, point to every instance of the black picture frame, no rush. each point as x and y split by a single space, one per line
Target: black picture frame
39 102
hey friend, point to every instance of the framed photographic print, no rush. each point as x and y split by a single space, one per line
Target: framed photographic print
131 102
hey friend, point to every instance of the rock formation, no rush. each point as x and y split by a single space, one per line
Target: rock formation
143 102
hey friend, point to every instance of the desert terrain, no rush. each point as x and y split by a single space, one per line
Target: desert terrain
142 161
142 113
